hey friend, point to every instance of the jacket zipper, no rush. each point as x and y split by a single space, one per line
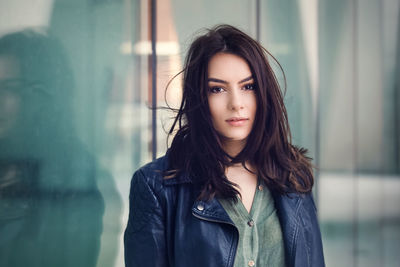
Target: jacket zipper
218 221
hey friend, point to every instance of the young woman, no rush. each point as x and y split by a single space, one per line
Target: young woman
232 190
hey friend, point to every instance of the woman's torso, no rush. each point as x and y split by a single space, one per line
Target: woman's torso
169 227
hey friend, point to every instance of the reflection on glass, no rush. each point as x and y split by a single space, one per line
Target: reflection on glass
50 207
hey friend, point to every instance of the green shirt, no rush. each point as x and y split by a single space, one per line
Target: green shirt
260 234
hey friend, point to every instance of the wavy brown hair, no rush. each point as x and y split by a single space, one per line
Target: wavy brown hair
196 147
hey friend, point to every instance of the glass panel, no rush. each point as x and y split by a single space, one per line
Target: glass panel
73 127
283 34
359 132
337 183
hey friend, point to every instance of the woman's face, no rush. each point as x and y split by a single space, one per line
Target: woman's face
231 98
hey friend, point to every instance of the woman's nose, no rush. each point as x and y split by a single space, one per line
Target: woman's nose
235 100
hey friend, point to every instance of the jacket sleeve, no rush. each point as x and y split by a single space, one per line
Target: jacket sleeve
317 253
144 238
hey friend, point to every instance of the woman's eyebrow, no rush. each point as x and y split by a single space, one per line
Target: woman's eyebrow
246 79
216 80
225 82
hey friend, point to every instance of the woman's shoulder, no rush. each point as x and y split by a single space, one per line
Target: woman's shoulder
295 203
151 174
150 186
155 167
154 173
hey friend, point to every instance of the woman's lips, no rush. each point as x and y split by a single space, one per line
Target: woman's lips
237 121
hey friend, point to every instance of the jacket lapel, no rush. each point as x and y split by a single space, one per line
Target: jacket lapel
211 210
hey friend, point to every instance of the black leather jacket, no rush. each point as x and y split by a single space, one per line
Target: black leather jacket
168 227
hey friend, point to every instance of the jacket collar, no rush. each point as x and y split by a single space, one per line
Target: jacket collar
179 179
287 205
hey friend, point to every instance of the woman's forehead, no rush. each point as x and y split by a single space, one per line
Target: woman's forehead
228 67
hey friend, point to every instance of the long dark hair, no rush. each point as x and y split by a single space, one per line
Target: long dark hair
196 147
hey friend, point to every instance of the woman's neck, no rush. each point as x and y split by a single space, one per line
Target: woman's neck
233 148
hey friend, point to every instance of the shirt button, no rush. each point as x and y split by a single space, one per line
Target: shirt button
200 207
260 187
251 263
250 223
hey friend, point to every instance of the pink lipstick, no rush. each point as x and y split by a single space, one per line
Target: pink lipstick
237 121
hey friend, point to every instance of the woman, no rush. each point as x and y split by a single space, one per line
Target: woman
232 190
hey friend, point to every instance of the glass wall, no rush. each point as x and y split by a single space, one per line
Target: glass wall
76 80
359 131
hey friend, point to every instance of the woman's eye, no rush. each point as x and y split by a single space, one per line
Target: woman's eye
216 90
249 87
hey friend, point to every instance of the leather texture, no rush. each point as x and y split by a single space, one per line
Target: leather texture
167 227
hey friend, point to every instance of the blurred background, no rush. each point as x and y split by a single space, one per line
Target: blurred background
77 78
